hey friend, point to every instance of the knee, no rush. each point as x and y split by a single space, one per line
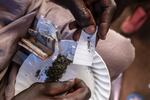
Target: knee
117 52
124 58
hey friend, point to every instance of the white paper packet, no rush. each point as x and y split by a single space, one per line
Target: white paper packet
85 49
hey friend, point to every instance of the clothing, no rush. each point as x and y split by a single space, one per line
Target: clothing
116 50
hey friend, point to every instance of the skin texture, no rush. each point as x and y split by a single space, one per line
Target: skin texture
56 91
88 13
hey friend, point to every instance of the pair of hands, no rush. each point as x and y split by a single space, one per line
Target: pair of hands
69 90
89 13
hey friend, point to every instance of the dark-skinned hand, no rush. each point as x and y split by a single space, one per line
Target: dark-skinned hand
89 13
70 90
14 26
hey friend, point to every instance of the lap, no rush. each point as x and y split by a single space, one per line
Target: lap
117 51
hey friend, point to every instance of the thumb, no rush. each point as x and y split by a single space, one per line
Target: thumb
58 88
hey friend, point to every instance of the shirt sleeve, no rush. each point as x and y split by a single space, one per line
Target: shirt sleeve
11 10
16 16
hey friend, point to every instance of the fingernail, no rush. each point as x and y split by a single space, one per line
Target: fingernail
90 29
71 80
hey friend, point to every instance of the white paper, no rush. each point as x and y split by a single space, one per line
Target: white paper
85 49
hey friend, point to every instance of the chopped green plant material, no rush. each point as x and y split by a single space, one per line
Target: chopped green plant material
57 69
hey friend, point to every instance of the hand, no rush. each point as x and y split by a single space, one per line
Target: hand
56 91
88 13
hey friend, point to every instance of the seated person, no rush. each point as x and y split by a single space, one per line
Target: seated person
17 18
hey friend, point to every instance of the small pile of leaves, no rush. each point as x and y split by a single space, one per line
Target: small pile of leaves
57 69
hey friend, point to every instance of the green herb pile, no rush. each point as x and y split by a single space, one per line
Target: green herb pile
57 69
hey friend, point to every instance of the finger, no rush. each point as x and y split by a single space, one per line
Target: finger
79 84
76 35
105 17
54 89
89 2
79 11
89 30
81 92
81 89
73 25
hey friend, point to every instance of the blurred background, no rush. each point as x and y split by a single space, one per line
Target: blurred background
132 20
